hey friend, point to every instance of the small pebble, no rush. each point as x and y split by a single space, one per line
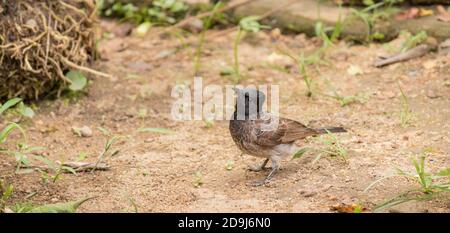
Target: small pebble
149 140
86 132
194 26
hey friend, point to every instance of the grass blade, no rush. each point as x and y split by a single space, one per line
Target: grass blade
377 181
10 103
69 207
7 131
300 153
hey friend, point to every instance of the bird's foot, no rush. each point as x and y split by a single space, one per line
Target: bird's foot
260 167
256 168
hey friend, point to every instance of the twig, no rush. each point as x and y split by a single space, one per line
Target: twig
84 167
47 49
77 166
82 68
410 54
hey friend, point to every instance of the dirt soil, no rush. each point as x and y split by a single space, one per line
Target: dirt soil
157 171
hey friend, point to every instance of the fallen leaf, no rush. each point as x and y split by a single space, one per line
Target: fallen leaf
25 110
48 129
198 179
408 14
425 12
142 29
79 81
346 208
229 165
443 14
445 44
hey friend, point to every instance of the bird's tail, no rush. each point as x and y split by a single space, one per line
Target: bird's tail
331 130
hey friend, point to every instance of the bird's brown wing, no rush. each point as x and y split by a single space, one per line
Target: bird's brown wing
295 131
287 131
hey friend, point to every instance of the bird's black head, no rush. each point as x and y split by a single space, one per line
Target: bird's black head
249 103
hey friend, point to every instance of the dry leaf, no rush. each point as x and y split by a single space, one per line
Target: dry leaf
48 129
445 44
408 14
425 12
443 14
346 208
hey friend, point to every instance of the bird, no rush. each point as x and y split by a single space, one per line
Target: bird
251 130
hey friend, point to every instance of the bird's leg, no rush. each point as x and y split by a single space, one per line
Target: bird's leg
275 168
272 172
260 167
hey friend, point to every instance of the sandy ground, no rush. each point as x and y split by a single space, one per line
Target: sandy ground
156 171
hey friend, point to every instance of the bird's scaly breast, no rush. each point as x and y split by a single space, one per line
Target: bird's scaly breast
241 131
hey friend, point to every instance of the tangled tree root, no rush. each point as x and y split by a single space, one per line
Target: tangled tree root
40 40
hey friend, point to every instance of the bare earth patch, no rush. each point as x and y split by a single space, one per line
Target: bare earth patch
156 171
